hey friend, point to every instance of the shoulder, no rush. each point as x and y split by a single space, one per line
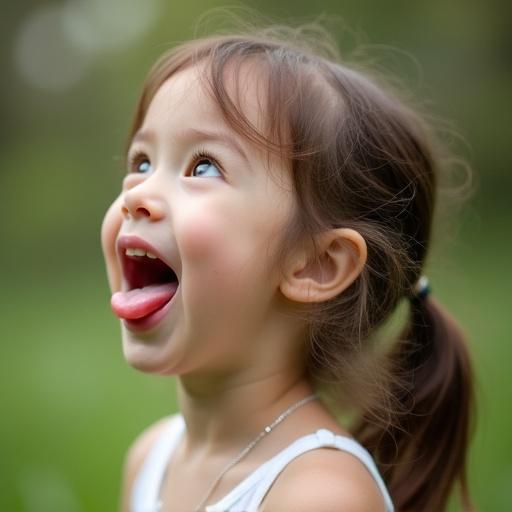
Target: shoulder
136 455
324 480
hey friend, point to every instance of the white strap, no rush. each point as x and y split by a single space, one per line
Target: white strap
147 484
321 438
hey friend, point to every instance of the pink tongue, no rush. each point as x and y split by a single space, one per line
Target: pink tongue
142 301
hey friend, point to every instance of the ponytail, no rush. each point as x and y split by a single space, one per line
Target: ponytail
423 452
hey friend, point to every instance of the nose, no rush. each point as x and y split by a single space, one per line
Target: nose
139 203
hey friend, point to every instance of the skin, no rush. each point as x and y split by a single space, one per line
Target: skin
237 356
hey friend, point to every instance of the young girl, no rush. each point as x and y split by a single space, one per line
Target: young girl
276 211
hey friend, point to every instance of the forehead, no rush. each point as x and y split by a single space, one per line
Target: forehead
185 97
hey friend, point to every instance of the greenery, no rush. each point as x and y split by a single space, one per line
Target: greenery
70 405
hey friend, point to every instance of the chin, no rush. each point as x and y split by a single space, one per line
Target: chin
147 356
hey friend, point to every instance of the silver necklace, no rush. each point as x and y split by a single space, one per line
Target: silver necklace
246 450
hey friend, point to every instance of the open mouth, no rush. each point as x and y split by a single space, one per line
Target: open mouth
150 286
141 271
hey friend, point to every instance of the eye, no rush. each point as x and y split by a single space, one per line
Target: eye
139 163
204 164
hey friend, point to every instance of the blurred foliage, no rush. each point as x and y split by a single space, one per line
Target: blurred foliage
70 405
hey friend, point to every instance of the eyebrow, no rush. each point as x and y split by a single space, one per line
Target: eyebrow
195 134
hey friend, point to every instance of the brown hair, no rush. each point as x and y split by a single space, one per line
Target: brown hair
360 158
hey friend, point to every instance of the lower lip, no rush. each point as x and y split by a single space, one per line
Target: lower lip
150 321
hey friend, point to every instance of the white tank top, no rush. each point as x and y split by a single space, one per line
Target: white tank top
248 494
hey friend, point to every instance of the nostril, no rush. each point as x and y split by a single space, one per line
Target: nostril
143 211
140 211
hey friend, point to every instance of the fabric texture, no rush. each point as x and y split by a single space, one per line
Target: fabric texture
248 494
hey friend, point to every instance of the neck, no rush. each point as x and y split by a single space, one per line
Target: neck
222 419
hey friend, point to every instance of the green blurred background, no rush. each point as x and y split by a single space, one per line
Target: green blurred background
71 73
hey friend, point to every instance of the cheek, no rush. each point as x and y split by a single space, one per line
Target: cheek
109 230
223 252
219 233
217 246
207 241
197 235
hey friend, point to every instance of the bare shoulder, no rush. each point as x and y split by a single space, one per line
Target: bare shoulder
135 456
324 480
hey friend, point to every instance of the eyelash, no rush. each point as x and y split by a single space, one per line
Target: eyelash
200 154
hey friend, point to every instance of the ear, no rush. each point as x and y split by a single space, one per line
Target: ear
342 254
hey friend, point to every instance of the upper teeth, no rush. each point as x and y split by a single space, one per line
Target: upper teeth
132 251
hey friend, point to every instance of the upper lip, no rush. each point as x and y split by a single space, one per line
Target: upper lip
125 241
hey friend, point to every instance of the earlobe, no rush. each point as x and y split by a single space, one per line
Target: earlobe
341 257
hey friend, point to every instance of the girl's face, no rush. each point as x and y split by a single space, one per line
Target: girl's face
214 218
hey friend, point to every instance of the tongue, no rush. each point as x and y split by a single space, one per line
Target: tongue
142 301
